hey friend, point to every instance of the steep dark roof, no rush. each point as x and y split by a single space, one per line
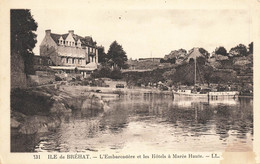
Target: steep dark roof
55 37
194 53
64 36
85 41
77 37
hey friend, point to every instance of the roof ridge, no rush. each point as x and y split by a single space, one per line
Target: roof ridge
87 40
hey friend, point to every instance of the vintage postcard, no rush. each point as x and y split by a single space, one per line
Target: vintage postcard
129 81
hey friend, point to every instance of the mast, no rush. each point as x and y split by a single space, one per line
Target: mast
195 74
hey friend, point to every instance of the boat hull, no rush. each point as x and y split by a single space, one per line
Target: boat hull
209 94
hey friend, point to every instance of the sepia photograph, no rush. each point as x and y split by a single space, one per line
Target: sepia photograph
95 82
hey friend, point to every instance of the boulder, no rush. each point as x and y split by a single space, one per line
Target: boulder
14 123
220 57
16 119
39 124
59 108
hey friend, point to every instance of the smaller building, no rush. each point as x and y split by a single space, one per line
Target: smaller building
193 54
42 63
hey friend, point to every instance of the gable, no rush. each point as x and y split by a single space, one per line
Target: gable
195 53
48 41
70 38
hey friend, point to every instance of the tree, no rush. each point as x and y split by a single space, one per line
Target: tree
116 74
204 52
103 71
117 56
169 60
250 48
221 51
102 56
23 38
239 50
201 60
169 74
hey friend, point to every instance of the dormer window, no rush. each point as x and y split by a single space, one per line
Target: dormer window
61 41
79 43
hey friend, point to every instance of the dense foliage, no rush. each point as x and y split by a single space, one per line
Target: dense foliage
117 56
169 60
102 57
204 52
106 72
23 38
221 51
250 49
238 51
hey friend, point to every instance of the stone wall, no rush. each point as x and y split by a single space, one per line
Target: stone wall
41 77
50 51
18 77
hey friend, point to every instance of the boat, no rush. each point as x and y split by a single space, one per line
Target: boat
206 92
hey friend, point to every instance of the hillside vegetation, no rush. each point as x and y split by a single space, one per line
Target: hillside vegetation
219 68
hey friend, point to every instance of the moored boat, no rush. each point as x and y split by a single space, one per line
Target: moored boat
206 92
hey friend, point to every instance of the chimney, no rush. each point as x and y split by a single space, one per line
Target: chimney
48 32
71 32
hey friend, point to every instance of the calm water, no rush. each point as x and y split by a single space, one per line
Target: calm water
151 122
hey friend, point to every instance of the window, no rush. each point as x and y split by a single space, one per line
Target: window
73 60
67 60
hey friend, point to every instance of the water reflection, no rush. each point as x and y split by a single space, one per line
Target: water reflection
155 122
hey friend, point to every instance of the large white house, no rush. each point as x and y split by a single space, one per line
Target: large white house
69 51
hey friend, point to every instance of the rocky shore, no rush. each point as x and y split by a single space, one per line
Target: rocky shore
40 110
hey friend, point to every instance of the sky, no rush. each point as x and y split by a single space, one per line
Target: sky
149 32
